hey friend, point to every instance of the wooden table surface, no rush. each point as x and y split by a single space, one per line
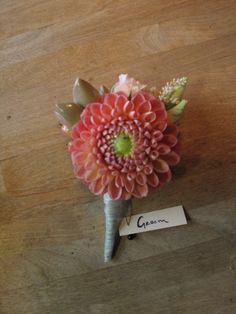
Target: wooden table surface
51 226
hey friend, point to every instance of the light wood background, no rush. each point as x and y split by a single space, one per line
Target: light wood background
51 227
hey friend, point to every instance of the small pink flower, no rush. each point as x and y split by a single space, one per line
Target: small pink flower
127 85
124 146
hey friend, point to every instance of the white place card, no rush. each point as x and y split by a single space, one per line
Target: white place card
158 219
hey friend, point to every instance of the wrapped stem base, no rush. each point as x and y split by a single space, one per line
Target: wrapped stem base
115 211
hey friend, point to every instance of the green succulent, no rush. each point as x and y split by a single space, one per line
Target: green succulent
68 113
172 96
84 92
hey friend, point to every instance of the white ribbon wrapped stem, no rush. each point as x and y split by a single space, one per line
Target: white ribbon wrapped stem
115 211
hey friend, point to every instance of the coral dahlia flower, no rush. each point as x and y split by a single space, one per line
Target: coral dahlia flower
124 146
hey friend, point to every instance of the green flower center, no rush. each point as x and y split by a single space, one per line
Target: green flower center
123 144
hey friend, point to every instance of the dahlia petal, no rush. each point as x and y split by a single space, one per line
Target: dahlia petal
140 190
128 107
129 177
141 178
121 100
106 111
148 117
171 129
154 154
114 112
77 128
121 93
144 107
79 172
153 180
158 135
147 150
114 191
164 177
132 115
97 120
87 122
170 140
138 99
122 178
163 149
96 187
95 109
147 95
161 114
76 144
160 166
148 169
141 156
118 181
177 148
160 125
111 99
125 195
78 157
129 185
157 105
83 148
85 112
85 135
92 174
106 178
172 158
89 161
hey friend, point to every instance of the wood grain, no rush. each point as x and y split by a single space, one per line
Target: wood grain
51 227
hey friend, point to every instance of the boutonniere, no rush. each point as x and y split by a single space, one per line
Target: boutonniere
124 142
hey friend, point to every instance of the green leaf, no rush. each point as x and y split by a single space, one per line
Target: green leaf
177 94
84 92
68 113
176 112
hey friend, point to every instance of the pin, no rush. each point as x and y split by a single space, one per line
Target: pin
128 219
